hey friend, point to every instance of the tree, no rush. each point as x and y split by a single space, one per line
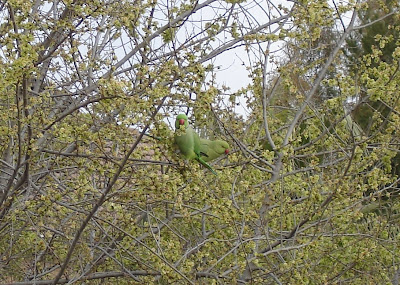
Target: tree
93 190
375 42
373 47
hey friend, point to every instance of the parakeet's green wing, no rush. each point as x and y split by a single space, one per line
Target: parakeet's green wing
197 150
204 147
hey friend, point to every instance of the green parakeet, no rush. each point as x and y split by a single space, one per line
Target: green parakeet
188 141
210 150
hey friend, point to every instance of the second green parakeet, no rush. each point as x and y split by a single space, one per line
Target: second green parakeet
188 141
210 150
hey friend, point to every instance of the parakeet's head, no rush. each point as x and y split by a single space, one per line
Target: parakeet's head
222 146
181 120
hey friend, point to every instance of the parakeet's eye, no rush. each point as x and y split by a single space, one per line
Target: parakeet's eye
226 151
181 122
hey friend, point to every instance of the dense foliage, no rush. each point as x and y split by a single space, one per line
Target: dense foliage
92 189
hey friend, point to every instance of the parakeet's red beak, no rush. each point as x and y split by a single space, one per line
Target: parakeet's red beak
226 151
181 122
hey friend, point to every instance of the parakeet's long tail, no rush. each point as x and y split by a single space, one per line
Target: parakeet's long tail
199 159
